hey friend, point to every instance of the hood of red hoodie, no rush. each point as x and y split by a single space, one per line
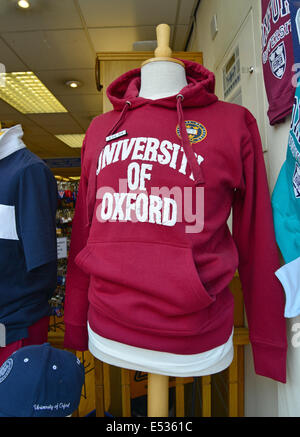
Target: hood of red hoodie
198 92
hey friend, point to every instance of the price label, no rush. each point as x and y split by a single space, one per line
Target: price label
62 250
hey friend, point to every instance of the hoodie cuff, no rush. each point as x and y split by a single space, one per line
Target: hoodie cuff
270 361
76 337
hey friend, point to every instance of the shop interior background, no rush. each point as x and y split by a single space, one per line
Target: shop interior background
58 40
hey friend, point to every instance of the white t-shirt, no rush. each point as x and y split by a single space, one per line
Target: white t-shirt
162 363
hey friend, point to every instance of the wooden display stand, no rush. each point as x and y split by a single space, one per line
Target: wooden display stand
158 385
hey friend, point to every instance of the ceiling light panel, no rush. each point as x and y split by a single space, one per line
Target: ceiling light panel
26 93
72 140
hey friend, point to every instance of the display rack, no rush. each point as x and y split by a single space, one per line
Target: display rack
67 195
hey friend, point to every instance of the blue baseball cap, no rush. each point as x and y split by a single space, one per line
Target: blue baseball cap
40 381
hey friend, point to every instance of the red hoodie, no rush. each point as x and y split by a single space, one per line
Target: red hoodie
151 254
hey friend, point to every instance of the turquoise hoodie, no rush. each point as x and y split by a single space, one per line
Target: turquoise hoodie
286 194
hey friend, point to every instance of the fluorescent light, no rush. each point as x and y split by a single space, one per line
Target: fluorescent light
25 92
72 140
23 4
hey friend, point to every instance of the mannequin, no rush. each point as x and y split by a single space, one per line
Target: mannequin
158 298
26 319
161 76
161 79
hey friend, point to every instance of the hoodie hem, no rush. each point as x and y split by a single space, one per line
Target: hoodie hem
213 336
277 112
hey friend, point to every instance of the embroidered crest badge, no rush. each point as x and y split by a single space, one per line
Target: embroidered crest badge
196 131
277 61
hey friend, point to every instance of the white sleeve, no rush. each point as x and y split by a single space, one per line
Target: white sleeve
289 276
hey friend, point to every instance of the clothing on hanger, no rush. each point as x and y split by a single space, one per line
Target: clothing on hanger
277 58
286 214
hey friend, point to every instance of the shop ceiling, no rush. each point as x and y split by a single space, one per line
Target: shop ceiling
58 41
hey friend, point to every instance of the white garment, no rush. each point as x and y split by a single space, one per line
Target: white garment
288 394
162 363
8 225
10 141
161 79
289 276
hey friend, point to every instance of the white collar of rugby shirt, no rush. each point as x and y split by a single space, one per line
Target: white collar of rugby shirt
11 141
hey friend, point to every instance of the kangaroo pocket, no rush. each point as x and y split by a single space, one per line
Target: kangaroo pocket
155 287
